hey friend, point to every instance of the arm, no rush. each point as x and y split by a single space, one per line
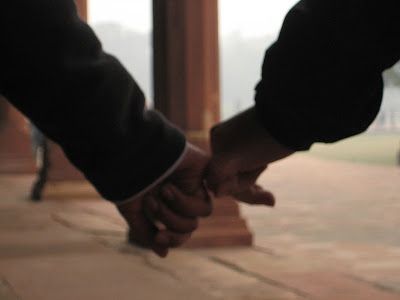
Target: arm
54 70
321 82
322 79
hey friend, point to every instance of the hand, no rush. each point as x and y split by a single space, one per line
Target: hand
142 230
242 150
154 226
167 215
181 200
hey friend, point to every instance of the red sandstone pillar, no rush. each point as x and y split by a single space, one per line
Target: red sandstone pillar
82 6
15 146
186 90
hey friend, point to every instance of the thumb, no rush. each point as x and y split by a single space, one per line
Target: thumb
256 195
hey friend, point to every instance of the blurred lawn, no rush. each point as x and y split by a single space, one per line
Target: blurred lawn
367 148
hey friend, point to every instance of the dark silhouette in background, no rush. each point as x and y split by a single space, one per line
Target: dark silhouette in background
40 148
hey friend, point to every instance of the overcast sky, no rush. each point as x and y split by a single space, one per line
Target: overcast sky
250 17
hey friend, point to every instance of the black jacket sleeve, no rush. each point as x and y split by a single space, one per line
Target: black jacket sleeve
53 68
322 79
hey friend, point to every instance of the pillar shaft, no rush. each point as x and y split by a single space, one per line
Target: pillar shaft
186 64
187 91
15 146
82 6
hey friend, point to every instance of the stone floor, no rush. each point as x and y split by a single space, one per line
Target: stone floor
333 236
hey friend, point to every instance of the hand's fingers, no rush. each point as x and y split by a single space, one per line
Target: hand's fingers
224 178
187 206
141 229
190 173
239 183
160 250
168 239
227 187
168 218
248 179
221 175
256 195
142 232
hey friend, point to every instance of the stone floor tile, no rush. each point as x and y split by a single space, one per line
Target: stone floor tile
194 268
332 286
94 276
328 238
6 291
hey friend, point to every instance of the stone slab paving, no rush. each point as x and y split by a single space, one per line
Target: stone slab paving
77 250
341 216
333 235
6 291
93 276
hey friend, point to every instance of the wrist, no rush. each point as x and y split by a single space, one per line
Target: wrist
245 135
158 181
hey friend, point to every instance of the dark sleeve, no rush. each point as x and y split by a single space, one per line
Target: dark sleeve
53 68
322 79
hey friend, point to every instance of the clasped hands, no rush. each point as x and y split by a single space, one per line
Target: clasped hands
167 216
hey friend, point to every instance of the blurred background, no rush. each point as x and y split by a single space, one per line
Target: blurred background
333 235
246 31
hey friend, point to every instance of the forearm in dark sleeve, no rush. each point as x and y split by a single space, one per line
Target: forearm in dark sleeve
322 79
54 70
